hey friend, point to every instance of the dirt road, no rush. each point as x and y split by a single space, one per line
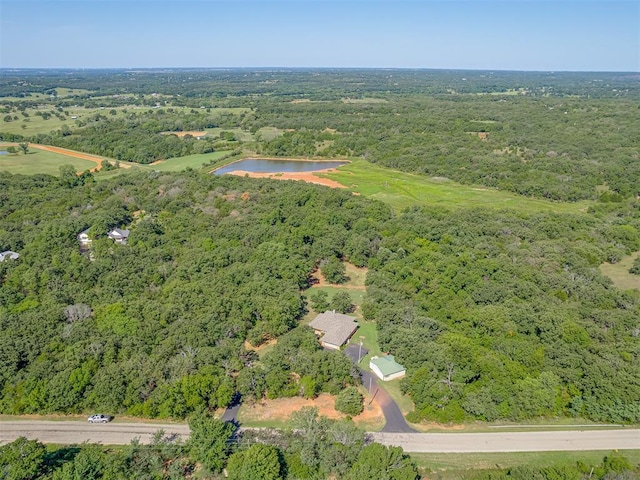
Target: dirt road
69 432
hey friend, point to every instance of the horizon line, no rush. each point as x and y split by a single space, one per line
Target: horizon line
133 69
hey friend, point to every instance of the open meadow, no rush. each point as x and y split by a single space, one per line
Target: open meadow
46 117
402 190
619 273
190 161
40 161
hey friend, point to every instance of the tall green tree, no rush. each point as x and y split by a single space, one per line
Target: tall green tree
258 462
209 441
334 270
21 459
319 300
383 463
349 401
342 302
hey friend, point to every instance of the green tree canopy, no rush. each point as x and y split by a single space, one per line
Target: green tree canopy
21 459
342 302
258 462
349 401
319 300
333 270
209 441
383 463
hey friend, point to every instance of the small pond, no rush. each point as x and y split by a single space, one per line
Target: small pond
261 165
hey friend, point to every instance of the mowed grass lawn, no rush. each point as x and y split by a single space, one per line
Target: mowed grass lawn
190 161
445 466
40 161
402 190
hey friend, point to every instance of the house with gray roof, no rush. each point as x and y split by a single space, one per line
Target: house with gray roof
119 236
335 328
9 255
386 367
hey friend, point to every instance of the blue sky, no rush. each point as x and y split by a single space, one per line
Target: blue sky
559 35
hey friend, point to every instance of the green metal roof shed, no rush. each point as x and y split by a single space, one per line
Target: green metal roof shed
386 367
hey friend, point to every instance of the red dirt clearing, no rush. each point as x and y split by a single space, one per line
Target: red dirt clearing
308 177
281 409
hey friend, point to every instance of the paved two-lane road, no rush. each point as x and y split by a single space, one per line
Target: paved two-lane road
513 441
66 433
70 432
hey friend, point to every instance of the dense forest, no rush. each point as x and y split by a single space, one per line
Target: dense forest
157 327
497 314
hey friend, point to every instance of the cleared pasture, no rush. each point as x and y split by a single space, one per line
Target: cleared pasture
35 123
619 273
239 133
269 133
402 190
190 161
40 161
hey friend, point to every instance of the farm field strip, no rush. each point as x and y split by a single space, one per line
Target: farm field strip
41 160
71 153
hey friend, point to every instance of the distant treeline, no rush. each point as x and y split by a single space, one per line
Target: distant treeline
561 136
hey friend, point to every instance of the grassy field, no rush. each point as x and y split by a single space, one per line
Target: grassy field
357 296
446 466
190 161
39 161
239 133
269 133
619 273
35 124
402 190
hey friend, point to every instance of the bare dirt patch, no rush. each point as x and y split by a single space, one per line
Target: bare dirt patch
356 275
261 347
280 410
308 177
